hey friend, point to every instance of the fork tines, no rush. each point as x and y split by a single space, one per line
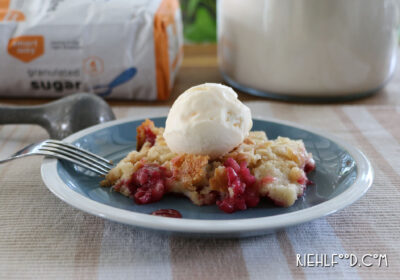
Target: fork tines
79 155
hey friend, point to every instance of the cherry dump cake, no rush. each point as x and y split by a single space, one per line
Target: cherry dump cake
257 168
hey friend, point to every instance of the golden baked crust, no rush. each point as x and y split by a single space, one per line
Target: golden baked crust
258 167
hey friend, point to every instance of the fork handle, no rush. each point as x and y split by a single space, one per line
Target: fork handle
22 115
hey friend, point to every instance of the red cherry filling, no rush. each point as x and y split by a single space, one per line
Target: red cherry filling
149 136
148 183
268 179
309 166
171 213
240 187
302 180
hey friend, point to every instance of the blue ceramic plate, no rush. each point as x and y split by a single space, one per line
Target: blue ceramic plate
343 174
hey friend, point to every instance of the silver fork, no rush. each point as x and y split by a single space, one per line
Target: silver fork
65 151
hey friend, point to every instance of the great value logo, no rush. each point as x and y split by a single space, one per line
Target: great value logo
26 48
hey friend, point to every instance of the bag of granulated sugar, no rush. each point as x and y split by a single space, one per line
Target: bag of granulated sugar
124 49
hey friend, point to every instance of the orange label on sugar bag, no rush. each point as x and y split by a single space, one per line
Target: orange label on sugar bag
162 19
9 15
4 4
26 48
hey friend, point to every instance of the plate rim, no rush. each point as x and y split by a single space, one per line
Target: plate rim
363 182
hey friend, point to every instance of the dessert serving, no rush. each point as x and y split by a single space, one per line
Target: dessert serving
208 153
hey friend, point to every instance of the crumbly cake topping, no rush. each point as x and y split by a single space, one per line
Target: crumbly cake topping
257 168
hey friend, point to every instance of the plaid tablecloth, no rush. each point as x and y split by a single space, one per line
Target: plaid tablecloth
41 237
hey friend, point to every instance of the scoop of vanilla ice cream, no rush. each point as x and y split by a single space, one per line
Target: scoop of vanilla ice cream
207 119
